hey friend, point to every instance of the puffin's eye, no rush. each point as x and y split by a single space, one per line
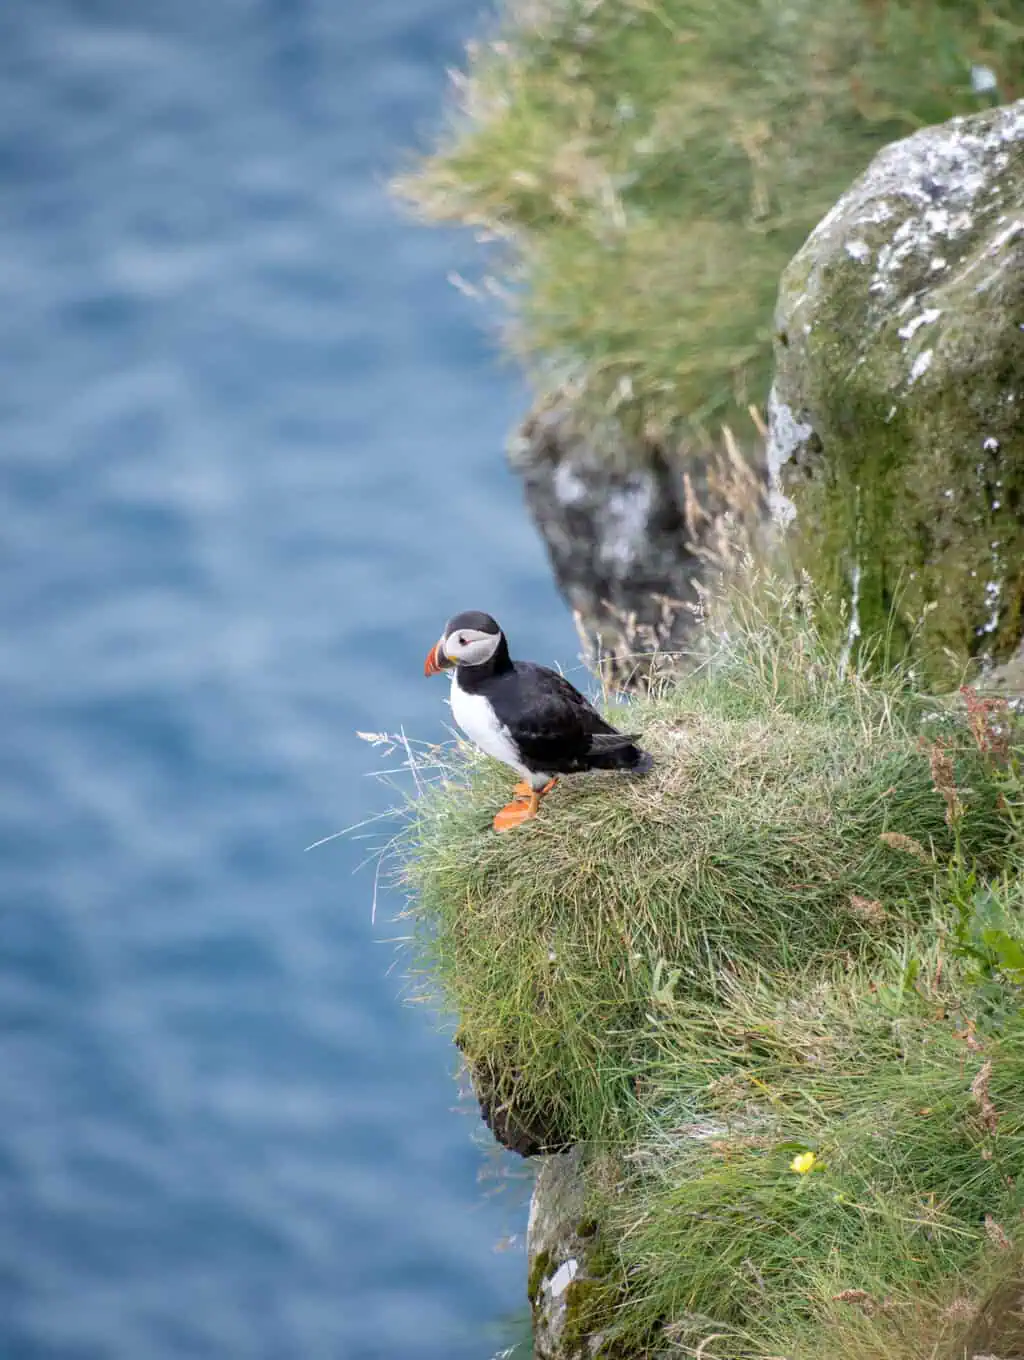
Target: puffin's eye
463 641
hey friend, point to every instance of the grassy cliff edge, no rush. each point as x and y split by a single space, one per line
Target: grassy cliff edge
775 992
649 168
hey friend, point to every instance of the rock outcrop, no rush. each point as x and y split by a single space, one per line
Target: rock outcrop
1008 679
630 527
897 416
561 1251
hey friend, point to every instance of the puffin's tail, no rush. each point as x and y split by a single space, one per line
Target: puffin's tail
617 751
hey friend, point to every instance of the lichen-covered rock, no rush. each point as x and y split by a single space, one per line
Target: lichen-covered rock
560 1248
1008 679
897 417
626 524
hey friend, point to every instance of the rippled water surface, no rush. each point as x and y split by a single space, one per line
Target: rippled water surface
250 457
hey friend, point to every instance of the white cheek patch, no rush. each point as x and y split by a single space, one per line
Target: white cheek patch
478 648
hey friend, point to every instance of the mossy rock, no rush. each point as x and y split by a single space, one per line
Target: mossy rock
897 417
573 1283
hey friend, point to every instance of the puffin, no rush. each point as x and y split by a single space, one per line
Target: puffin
527 716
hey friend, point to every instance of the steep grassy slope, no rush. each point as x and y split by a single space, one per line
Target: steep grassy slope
774 988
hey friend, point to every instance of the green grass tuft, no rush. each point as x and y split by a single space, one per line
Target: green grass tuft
802 933
873 1076
651 166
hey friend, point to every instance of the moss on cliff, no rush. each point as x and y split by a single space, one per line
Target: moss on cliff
651 168
802 937
900 381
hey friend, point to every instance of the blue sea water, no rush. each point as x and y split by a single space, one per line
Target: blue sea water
250 458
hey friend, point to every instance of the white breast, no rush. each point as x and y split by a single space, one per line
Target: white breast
477 719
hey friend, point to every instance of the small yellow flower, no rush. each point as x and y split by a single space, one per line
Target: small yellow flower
803 1163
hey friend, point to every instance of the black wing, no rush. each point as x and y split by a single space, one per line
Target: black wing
555 724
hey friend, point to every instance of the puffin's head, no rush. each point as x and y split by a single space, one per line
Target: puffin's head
468 639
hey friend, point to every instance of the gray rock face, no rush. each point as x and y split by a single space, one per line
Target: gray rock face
897 418
560 1243
1008 679
624 525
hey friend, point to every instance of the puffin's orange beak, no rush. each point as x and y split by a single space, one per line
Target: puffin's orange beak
436 661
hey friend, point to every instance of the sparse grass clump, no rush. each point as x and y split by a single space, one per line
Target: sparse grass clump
651 166
774 987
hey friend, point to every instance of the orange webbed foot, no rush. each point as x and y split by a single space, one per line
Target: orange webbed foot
517 812
525 805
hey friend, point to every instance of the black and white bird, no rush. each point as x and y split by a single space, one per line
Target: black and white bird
525 715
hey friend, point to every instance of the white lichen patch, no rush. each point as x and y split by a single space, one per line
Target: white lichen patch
983 79
993 596
938 180
569 485
1005 236
853 629
628 511
926 318
921 365
562 1278
532 1220
786 434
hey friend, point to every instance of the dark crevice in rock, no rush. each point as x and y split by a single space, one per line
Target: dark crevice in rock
515 1122
626 525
